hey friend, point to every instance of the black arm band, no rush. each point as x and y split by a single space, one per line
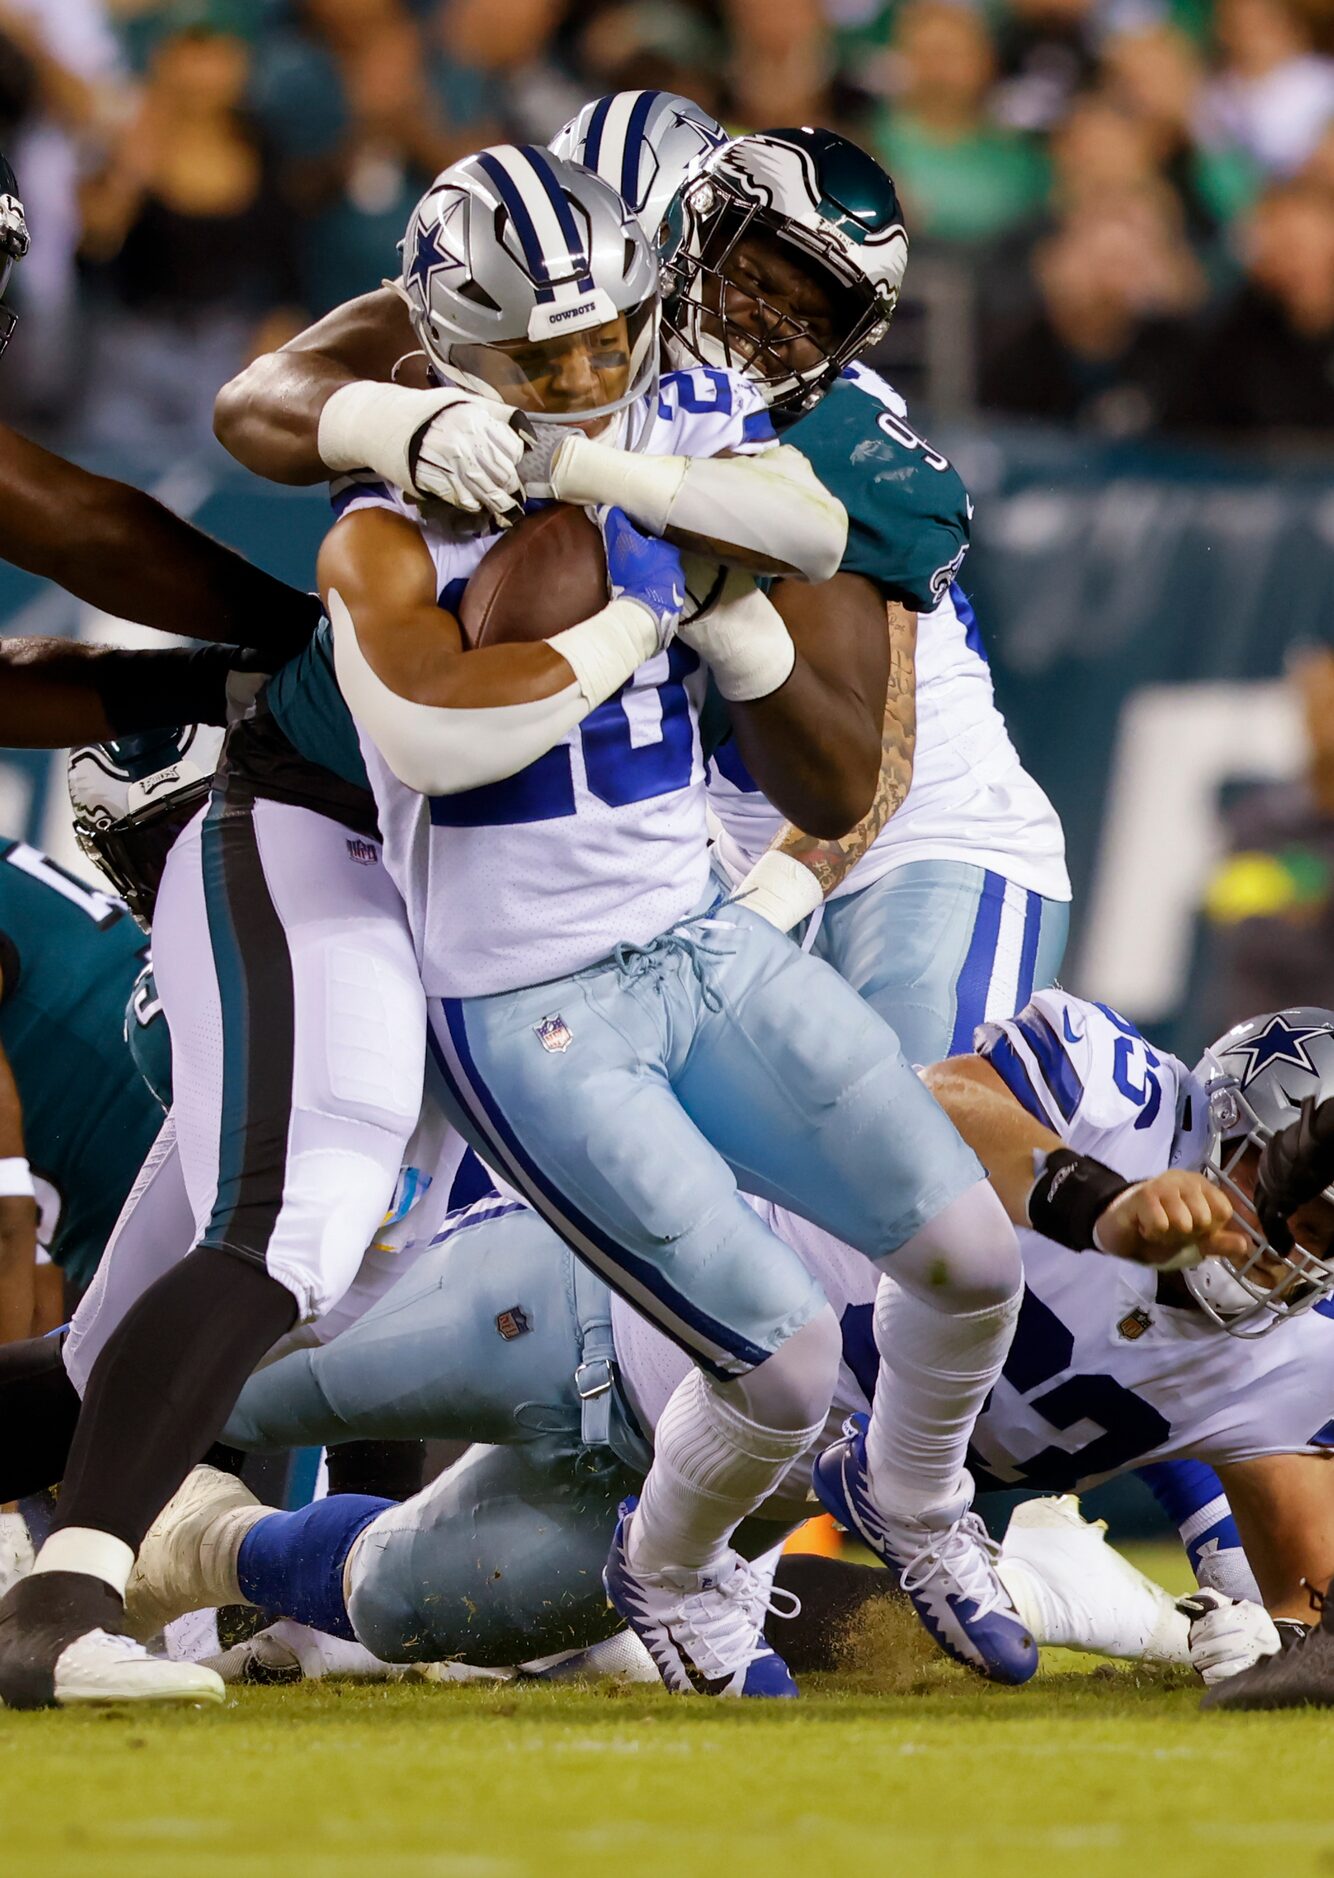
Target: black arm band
1069 1196
160 687
1291 1630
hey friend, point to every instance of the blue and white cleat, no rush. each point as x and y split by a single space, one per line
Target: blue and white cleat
948 1571
704 1631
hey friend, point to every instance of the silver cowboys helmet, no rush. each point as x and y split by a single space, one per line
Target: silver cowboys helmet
529 280
132 797
647 145
818 194
1254 1079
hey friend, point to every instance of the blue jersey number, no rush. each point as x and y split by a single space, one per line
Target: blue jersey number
1127 1426
1133 1064
619 770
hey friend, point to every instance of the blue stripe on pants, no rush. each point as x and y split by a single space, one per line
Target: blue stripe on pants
1028 957
975 974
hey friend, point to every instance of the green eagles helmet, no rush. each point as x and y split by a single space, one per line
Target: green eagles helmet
14 240
132 797
825 198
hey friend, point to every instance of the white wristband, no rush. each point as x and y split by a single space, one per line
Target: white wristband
366 425
603 651
780 889
16 1179
745 642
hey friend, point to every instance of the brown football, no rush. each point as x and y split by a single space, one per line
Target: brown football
547 573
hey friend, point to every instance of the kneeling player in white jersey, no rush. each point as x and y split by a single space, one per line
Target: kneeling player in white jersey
1119 1361
622 1053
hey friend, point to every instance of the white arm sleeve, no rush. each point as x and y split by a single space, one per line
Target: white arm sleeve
771 507
439 750
366 425
744 640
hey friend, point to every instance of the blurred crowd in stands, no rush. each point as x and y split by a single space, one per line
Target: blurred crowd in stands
1122 210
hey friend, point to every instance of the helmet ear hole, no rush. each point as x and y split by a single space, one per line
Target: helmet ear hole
472 290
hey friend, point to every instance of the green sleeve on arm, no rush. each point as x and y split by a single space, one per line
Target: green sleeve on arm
908 511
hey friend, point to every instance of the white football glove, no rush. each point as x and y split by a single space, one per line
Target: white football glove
468 455
1227 1635
447 444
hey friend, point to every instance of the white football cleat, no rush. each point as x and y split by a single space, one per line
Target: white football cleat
188 1558
1076 1592
622 1658
291 1652
703 1630
100 1667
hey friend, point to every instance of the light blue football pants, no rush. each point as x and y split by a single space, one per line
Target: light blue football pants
488 1337
937 947
628 1101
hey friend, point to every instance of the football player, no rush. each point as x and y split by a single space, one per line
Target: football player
118 549
1296 1170
679 1050
783 256
299 1221
1121 1359
948 903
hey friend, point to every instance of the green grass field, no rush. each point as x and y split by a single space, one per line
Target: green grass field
905 1765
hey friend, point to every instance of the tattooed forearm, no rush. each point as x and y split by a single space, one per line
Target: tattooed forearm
832 861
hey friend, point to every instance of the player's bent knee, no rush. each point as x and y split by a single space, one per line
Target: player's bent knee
965 1259
471 1610
793 1387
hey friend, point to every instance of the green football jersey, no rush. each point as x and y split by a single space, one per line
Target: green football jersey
908 511
70 957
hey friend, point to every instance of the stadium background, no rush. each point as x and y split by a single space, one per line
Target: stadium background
1118 318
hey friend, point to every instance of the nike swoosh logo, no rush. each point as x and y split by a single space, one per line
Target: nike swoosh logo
1071 1035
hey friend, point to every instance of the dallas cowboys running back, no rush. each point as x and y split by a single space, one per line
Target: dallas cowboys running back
959 913
1115 1364
664 1052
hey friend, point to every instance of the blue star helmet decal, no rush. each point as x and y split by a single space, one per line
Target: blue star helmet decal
428 256
1278 1042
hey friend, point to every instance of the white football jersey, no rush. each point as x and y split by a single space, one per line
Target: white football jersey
971 798
1102 1376
602 839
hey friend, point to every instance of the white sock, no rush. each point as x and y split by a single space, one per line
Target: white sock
711 1466
936 1370
85 1549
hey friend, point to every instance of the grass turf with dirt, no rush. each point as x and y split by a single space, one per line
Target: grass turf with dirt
905 1764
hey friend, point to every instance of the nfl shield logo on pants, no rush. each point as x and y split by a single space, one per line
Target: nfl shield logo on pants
553 1033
